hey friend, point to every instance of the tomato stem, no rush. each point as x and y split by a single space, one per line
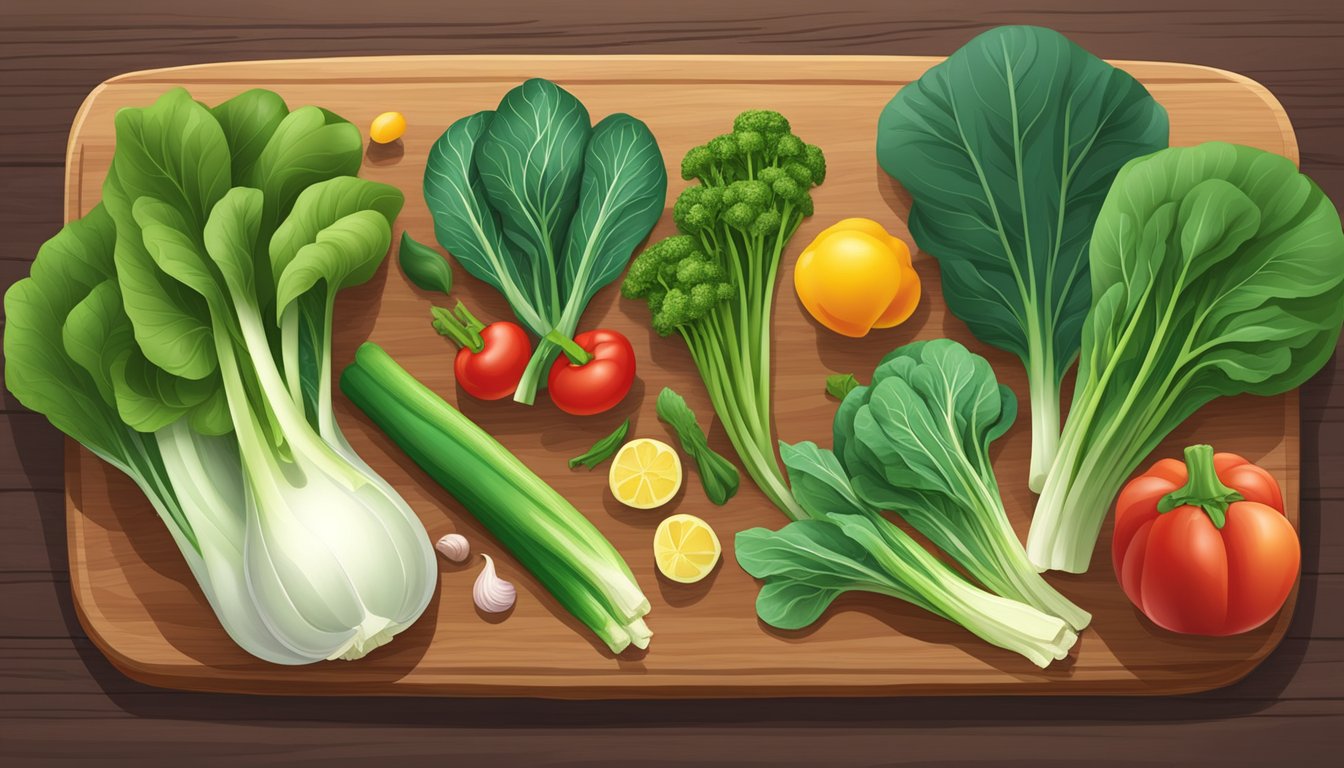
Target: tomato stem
576 354
1203 489
463 327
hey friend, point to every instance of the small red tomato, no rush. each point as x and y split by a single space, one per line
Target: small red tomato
494 371
491 358
595 373
1202 547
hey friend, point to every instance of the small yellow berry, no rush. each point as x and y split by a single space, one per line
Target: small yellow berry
387 127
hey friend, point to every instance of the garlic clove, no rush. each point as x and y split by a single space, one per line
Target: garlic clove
454 546
491 593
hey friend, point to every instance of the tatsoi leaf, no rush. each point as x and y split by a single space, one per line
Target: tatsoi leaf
1242 259
530 160
1008 148
840 384
466 226
423 266
624 187
248 121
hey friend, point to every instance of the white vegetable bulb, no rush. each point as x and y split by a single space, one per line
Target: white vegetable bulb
336 564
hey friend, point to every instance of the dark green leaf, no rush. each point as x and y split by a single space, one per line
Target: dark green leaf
424 266
603 449
718 476
1008 148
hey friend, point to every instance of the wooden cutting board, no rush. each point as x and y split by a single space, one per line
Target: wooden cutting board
141 607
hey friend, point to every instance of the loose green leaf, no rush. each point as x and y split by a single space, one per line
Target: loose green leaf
424 266
603 449
1216 270
1008 148
840 384
718 476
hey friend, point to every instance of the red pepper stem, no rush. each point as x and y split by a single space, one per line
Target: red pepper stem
462 334
1203 489
576 354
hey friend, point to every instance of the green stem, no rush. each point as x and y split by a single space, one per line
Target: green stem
576 354
463 328
1203 489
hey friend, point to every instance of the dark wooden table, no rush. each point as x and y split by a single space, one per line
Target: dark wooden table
60 701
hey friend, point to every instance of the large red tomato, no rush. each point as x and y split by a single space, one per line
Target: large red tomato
1202 546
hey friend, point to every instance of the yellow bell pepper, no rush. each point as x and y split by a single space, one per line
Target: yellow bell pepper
855 277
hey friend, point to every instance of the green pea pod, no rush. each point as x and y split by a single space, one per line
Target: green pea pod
603 449
718 476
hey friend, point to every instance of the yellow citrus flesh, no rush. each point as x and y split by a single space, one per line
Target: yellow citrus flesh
685 548
645 474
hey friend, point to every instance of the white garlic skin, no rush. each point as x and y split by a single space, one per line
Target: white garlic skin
454 546
491 593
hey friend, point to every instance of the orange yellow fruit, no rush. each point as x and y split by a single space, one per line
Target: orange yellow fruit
856 276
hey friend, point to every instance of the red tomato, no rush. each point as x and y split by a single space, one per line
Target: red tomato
1202 546
600 383
494 371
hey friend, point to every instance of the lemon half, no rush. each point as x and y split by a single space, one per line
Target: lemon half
646 473
685 548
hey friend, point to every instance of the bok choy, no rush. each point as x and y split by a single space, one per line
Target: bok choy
181 331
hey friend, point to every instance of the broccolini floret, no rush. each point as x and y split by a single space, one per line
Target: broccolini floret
714 283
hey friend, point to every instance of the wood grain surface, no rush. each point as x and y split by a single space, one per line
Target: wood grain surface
140 605
61 701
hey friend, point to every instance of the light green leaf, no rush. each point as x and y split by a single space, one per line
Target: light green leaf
231 240
346 253
308 146
321 205
248 121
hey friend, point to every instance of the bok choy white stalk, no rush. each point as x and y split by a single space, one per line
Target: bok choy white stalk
182 332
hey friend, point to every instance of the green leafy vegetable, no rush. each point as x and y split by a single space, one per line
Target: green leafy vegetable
718 476
846 546
424 267
182 332
551 539
544 207
840 384
1008 148
603 449
916 442
714 284
1216 270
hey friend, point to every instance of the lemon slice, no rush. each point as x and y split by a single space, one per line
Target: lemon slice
645 474
685 548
